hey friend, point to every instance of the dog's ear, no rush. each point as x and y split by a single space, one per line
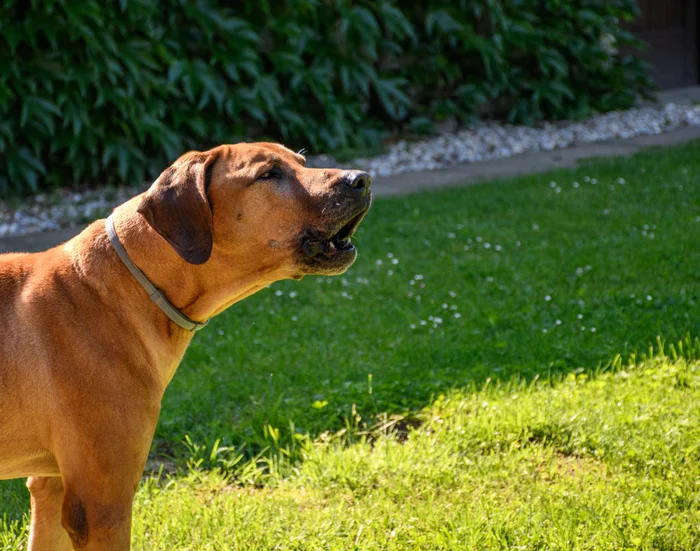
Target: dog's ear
177 207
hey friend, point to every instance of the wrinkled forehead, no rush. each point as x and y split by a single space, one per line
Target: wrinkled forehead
259 155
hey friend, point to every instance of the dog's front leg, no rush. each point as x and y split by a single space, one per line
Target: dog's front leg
98 493
101 461
45 530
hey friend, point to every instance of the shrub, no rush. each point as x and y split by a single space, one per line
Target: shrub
109 92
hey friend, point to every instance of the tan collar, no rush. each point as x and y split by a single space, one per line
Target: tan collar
155 294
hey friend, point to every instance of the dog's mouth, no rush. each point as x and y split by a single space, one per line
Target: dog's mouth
337 243
332 252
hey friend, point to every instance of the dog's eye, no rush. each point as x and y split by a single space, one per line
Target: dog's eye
272 174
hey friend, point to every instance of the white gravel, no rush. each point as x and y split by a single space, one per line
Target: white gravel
60 210
496 141
478 143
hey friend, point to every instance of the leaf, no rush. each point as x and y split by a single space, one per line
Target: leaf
441 21
231 70
396 22
363 18
589 16
122 162
31 160
392 97
175 71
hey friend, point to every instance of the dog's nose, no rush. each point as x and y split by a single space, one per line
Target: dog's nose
357 180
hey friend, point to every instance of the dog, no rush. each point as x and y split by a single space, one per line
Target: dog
94 329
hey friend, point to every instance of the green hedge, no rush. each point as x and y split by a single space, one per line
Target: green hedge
100 91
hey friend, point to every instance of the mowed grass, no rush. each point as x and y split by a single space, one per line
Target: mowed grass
603 462
548 277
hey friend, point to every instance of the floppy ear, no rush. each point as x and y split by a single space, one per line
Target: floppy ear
177 207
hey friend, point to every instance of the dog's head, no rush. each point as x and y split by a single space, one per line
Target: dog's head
257 203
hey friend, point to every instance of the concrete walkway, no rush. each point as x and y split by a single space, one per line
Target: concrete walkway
463 174
39 241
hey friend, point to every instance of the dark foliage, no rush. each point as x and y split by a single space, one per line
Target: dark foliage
110 91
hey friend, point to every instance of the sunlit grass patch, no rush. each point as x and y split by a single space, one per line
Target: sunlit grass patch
609 462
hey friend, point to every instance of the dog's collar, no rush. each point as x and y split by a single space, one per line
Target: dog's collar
155 294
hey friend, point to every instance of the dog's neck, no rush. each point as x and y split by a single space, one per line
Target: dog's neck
199 292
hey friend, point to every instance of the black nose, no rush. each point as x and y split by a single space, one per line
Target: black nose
357 180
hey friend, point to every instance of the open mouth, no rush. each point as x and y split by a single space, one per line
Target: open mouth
337 244
342 239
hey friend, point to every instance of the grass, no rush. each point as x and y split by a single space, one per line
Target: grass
550 277
587 463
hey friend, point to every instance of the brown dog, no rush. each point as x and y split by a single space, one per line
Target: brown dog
85 356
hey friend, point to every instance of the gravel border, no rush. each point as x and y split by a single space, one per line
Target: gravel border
486 141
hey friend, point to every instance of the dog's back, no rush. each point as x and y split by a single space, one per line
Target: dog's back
21 367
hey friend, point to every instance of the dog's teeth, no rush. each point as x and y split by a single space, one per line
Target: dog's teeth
331 246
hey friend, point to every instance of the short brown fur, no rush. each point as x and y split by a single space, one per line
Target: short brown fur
85 356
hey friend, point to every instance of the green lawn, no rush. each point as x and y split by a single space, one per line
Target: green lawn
548 277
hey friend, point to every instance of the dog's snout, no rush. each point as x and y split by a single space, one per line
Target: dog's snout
357 180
